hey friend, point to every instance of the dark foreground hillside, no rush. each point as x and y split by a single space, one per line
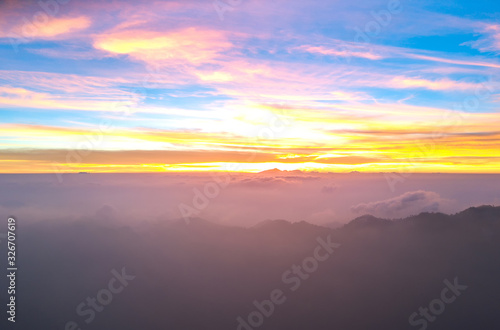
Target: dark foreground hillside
442 271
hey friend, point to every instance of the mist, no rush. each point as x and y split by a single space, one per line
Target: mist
110 252
241 199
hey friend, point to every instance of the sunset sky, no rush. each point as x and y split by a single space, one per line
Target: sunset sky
249 85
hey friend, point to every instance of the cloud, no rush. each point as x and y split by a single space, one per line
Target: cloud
15 97
192 45
59 91
373 112
106 213
49 28
329 188
406 204
324 217
355 141
61 83
439 84
466 62
344 50
376 52
265 182
243 199
490 40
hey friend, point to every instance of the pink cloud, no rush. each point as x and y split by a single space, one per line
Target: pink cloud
48 28
439 84
409 203
490 42
344 50
191 45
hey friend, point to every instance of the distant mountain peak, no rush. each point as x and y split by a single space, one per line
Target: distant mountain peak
280 223
369 220
274 223
278 171
480 212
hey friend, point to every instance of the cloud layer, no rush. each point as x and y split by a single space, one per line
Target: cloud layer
239 199
325 86
410 202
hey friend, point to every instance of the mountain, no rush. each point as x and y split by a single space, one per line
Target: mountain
199 275
276 171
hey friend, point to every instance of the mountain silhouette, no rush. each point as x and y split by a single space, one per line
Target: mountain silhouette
200 275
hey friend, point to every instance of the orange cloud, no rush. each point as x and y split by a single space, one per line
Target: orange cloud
433 141
49 28
13 97
191 45
59 26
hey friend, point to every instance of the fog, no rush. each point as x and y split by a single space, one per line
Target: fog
370 274
241 199
115 252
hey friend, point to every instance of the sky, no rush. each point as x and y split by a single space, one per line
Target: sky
249 85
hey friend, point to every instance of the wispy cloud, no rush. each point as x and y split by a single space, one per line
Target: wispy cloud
490 41
193 82
52 27
191 45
